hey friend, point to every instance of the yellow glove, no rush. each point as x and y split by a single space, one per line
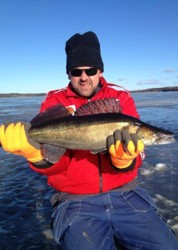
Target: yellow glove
124 148
14 139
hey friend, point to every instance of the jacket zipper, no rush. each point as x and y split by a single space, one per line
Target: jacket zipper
100 173
99 168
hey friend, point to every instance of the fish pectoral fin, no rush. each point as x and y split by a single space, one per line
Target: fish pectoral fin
52 153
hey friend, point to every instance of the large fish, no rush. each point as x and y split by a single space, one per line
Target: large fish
89 127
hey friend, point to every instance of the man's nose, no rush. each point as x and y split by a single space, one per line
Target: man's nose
83 76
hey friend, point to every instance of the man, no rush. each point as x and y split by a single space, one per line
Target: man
98 201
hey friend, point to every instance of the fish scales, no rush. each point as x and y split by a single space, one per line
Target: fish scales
57 130
87 132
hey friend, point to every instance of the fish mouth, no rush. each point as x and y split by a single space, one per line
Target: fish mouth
165 139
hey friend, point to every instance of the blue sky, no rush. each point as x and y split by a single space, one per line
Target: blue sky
139 42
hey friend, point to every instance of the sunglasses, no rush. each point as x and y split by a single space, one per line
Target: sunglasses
88 72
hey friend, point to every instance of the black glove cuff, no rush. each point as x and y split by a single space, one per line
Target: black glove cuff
129 168
42 164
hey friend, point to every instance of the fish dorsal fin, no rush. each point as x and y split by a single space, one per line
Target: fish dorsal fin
49 115
110 105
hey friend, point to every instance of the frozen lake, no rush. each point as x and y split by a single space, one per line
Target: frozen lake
24 195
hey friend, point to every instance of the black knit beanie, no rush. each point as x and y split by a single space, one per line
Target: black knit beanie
83 50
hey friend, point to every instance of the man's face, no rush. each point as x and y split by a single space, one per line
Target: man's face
85 85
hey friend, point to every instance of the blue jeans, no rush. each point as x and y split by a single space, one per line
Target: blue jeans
94 223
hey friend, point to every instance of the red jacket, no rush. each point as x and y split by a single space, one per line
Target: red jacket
81 172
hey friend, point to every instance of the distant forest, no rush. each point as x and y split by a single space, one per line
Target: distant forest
175 88
21 95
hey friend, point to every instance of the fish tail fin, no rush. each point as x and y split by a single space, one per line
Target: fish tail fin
51 114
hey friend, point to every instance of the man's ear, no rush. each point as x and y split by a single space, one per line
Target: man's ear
101 74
